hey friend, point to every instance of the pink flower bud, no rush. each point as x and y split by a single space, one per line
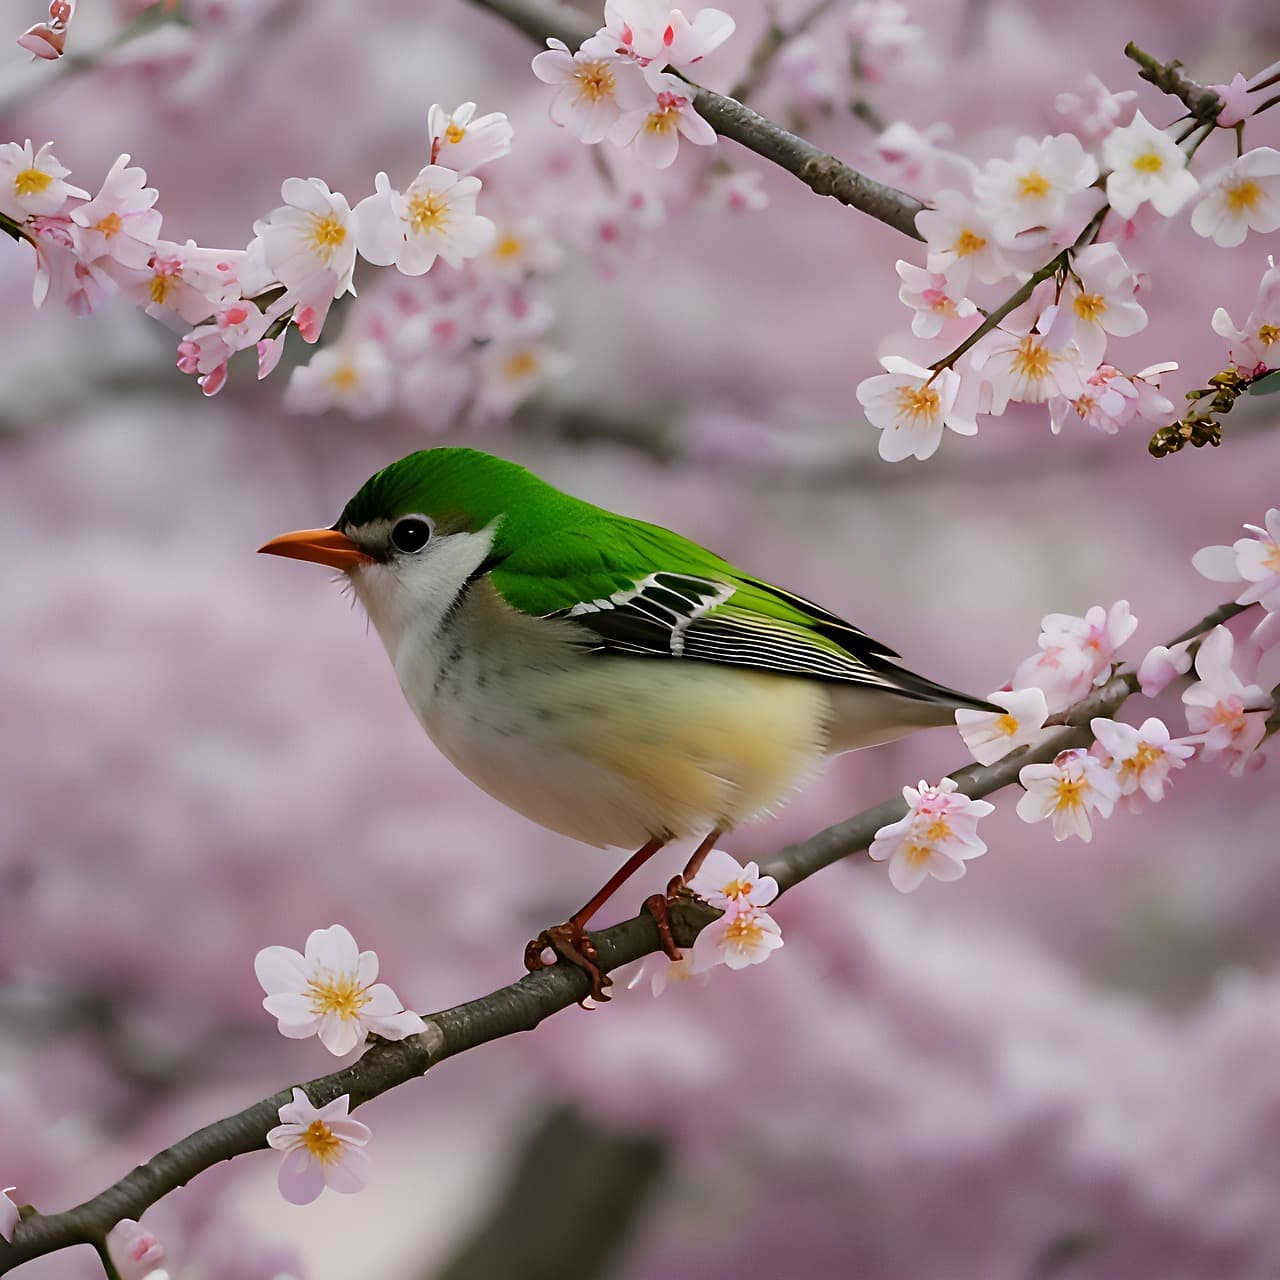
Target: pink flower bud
60 12
44 41
135 1252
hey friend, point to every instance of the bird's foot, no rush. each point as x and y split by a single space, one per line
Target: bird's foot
658 905
571 942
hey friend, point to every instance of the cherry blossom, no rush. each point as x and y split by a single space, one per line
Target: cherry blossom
1075 653
119 223
310 235
509 371
991 735
911 405
656 113
736 192
8 1214
463 143
323 1147
935 838
1026 367
663 973
1253 346
1092 114
60 271
205 351
1067 791
1097 300
1229 715
1146 165
1162 665
48 40
737 939
933 298
882 31
961 241
134 1251
1235 103
586 102
435 216
1243 197
32 183
1255 560
725 883
1141 758
1041 194
183 283
329 991
522 247
1111 400
648 31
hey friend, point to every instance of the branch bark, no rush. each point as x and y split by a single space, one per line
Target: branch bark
522 1005
1200 102
818 170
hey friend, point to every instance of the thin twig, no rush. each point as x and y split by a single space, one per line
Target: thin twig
1202 103
519 1006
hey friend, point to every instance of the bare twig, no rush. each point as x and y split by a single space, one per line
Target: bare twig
517 1007
1200 102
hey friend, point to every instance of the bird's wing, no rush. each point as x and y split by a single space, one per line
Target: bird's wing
637 589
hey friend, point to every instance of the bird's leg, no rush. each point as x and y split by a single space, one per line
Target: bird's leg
659 905
570 942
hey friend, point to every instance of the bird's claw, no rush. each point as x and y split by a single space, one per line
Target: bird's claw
659 907
572 943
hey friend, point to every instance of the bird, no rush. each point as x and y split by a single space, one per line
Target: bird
609 679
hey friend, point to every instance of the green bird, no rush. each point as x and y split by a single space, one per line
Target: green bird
605 677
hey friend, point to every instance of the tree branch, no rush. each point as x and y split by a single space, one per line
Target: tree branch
818 170
1202 103
522 1005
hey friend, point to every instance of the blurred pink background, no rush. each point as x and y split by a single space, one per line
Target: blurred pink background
1068 1063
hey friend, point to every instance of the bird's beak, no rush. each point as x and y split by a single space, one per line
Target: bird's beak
324 546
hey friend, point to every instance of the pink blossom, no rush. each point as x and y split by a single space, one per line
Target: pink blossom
32 183
323 1148
1229 715
961 240
1235 102
935 838
882 31
933 298
508 372
1042 192
1111 400
1243 197
310 235
737 939
1254 344
1146 165
910 405
1027 367
45 40
60 270
915 160
586 102
1162 666
1098 299
1067 792
992 735
725 883
736 192
134 1251
648 31
119 223
1076 653
183 282
662 973
1255 560
655 115
463 143
1141 758
329 991
1095 112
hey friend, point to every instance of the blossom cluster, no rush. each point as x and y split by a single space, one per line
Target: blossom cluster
745 934
468 342
936 837
1049 222
615 87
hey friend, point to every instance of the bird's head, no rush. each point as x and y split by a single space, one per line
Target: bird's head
417 531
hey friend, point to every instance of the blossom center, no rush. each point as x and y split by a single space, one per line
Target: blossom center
737 888
917 402
744 933
968 242
938 830
1032 358
108 226
1070 793
340 994
1007 724
324 1145
508 247
455 133
1033 185
1142 759
31 181
917 853
520 365
1244 197
595 81
429 213
327 233
1089 306
1268 333
1272 559
1148 162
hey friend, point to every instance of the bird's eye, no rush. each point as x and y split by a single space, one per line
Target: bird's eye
411 534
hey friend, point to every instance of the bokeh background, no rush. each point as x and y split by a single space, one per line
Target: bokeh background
1066 1064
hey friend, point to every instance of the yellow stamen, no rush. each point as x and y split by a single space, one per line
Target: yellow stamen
967 242
738 889
429 213
1070 793
520 365
1033 185
938 830
1268 333
327 233
455 133
31 181
1244 196
1142 759
660 121
1089 306
108 226
1272 558
917 853
508 247
595 81
744 932
1032 359
321 1141
1149 162
340 994
1007 724
160 287
918 402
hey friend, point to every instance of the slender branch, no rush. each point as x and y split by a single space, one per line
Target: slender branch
1202 103
521 1006
771 44
817 169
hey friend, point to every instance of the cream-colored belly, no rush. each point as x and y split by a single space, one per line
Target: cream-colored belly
612 750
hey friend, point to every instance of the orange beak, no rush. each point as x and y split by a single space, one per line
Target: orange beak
323 546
